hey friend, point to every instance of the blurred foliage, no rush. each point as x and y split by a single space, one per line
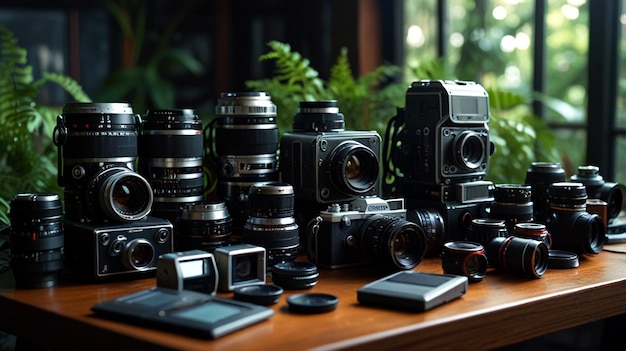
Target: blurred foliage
367 102
148 59
30 162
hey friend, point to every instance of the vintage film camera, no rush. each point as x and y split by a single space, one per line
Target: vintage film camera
107 227
368 230
440 150
323 162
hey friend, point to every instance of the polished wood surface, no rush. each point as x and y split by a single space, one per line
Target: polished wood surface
500 310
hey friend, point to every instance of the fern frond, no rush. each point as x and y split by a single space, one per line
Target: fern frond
67 83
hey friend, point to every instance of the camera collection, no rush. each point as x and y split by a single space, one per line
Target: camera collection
315 192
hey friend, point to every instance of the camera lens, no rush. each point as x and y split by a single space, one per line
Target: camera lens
203 226
518 256
270 222
318 116
36 239
571 226
170 158
433 225
355 168
483 230
540 176
246 143
535 231
512 203
597 188
391 241
119 194
138 255
464 258
470 150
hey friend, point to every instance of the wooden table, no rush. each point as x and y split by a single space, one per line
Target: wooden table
500 310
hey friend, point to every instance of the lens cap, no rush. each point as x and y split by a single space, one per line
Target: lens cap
562 259
312 303
259 294
295 275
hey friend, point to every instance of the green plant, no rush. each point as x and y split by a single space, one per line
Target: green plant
145 78
366 102
29 164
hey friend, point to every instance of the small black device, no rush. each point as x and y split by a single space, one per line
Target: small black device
188 270
240 265
184 311
413 290
108 250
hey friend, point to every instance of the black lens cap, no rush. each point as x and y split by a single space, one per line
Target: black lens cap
295 275
562 259
312 303
260 294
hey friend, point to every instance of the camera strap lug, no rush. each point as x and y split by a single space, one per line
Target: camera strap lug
59 137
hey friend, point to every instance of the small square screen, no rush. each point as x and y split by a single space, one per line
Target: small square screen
210 312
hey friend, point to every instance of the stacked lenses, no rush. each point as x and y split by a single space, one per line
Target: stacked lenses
246 146
597 188
37 239
270 223
97 151
170 158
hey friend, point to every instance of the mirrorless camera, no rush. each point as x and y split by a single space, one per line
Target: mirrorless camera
367 230
325 163
107 250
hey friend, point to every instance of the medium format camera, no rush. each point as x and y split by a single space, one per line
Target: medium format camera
36 239
325 163
97 150
246 147
367 230
445 138
170 158
100 251
187 270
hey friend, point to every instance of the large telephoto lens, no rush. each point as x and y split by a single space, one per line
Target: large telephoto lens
96 143
203 226
597 188
391 241
518 256
270 223
170 158
36 239
513 204
573 228
540 176
246 146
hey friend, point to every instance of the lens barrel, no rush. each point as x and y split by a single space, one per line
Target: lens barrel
205 226
484 230
36 239
518 256
271 223
512 203
464 258
540 176
571 226
597 188
391 241
170 158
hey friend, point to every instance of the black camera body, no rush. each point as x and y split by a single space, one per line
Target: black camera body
368 230
122 249
318 165
325 163
445 138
